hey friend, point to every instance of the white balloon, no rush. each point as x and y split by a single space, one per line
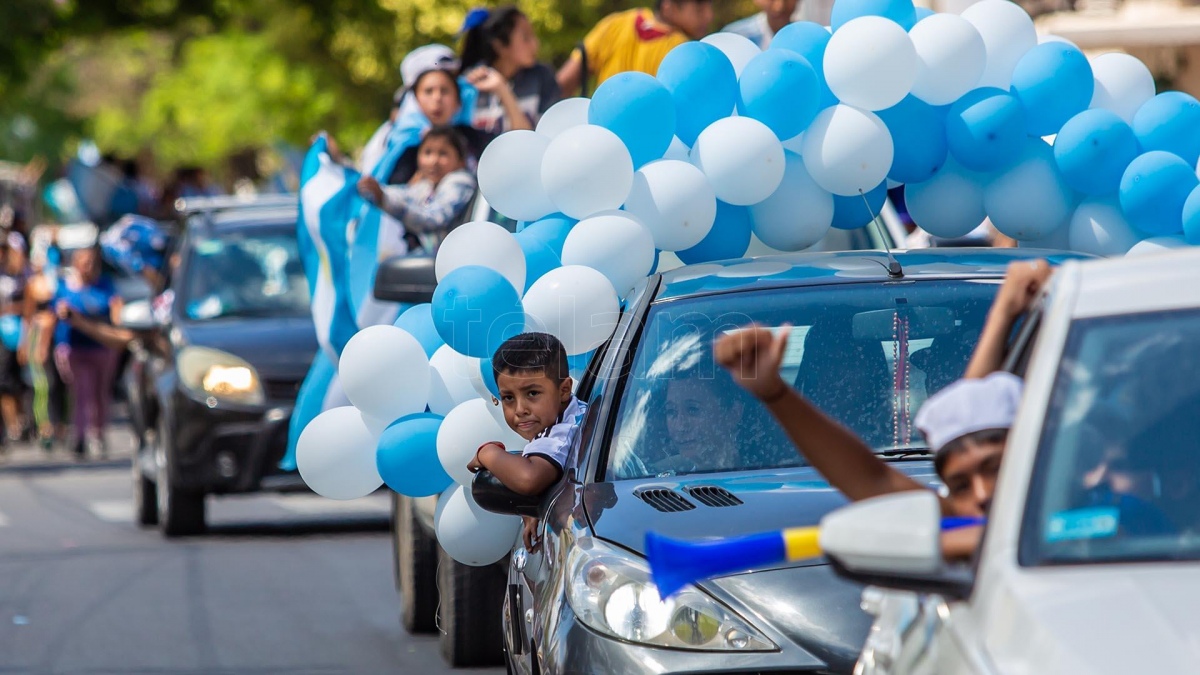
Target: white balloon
1049 37
737 48
676 203
616 244
1155 245
1099 227
795 143
375 425
464 430
374 361
504 175
1123 84
1007 33
950 204
335 455
677 150
471 535
847 150
567 113
482 243
798 215
950 58
576 304
450 383
870 63
587 169
742 159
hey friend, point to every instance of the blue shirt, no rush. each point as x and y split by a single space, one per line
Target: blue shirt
93 302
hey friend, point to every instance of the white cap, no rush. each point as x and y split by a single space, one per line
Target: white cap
424 59
967 406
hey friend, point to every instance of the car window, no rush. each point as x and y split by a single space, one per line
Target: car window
253 273
866 354
1118 471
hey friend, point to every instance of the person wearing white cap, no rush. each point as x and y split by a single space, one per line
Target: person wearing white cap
965 424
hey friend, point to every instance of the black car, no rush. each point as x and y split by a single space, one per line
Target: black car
215 375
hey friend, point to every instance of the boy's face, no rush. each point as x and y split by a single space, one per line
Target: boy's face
970 476
437 158
693 17
532 400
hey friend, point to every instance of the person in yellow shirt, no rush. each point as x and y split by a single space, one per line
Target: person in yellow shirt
636 39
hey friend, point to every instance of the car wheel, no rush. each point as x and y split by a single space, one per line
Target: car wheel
471 604
180 512
145 496
415 558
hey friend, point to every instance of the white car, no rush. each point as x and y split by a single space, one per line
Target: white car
1091 558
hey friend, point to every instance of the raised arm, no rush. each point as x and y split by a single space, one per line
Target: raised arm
525 475
753 356
419 215
1022 281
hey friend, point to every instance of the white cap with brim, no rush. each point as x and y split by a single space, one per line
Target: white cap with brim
968 406
424 59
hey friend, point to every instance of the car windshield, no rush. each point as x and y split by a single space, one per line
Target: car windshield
1118 471
248 273
867 354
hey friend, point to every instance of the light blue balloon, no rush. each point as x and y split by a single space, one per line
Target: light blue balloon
809 40
578 364
922 13
1029 200
418 321
489 376
985 129
542 241
639 110
948 205
1154 189
851 213
702 84
1170 122
1053 82
729 237
407 457
1092 150
900 11
919 135
1191 218
475 309
779 88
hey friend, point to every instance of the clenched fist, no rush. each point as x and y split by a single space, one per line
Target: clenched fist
753 355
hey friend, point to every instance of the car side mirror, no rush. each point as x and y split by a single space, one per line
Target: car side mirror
405 278
138 316
491 495
894 541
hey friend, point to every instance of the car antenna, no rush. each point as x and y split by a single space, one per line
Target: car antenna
893 267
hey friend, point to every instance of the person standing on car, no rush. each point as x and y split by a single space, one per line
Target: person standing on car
85 291
503 40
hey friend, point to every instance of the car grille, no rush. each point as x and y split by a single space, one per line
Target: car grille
667 501
281 390
711 495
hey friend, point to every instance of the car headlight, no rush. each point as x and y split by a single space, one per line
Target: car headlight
611 592
212 372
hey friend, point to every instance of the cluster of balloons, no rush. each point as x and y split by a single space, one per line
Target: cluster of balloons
971 113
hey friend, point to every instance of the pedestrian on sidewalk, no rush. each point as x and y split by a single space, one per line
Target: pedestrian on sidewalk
13 278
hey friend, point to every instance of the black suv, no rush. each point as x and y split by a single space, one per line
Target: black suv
219 361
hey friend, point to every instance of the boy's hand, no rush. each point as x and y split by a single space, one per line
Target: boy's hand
479 462
370 190
529 534
753 356
1022 281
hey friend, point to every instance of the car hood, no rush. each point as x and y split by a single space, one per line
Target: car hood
1113 618
278 348
771 500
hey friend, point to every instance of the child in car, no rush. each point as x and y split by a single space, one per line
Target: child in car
535 391
437 193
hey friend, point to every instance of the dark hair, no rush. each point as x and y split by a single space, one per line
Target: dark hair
447 73
957 445
452 136
531 353
498 26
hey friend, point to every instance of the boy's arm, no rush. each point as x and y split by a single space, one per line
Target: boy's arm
752 356
527 475
1022 281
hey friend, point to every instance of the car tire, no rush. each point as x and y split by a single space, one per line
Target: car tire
472 600
145 494
180 512
414 562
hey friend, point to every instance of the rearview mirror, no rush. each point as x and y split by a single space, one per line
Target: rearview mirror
491 495
893 541
138 316
880 324
406 278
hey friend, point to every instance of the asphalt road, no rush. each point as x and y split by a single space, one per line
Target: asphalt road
280 584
